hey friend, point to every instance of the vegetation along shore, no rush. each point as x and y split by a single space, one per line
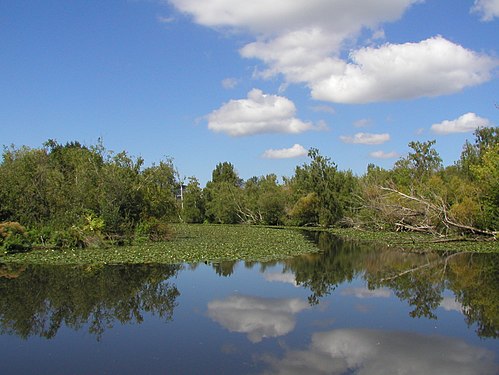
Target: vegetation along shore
73 201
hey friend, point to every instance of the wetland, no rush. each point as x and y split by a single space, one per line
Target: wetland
341 307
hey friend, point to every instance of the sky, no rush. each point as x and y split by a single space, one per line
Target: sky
254 83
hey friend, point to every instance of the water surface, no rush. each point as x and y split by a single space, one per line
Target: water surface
351 309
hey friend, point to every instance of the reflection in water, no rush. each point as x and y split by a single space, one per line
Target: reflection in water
366 293
259 300
258 317
375 352
418 279
37 300
287 278
450 304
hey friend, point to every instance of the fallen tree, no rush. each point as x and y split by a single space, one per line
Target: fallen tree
413 213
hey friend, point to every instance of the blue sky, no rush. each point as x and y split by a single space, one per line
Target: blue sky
255 83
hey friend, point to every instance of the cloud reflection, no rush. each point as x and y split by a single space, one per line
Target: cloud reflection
366 293
288 278
256 316
450 304
376 352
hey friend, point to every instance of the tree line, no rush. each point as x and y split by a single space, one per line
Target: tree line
76 195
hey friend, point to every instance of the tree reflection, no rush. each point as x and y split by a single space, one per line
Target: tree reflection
37 300
338 262
224 268
418 279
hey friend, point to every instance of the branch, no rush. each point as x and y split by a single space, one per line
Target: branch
441 211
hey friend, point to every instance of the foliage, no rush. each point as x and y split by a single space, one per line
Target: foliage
56 187
82 196
222 195
193 204
154 230
13 237
487 176
320 187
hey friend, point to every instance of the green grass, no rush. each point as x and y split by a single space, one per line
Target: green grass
192 243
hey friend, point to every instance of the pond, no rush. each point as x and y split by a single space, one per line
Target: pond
350 309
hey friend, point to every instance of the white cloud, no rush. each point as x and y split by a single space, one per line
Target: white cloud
268 18
464 124
429 68
366 293
230 83
258 113
488 9
303 40
366 138
376 352
255 316
286 153
383 155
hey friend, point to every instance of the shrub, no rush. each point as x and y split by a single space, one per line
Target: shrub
153 229
13 237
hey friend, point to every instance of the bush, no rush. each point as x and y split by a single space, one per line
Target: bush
66 238
153 229
40 236
13 237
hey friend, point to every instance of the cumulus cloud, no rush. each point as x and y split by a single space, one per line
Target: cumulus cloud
464 124
366 293
257 317
258 113
487 9
366 138
376 352
286 153
428 68
303 41
267 18
383 155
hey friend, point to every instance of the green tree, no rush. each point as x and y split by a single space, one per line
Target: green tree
472 153
419 164
263 201
223 195
193 210
333 189
487 176
158 184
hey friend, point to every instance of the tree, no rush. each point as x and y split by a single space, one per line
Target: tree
333 189
421 163
193 205
472 153
158 184
263 201
226 172
487 175
223 195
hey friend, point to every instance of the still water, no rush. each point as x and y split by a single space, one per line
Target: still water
351 309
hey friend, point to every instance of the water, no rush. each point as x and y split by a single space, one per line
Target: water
350 310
